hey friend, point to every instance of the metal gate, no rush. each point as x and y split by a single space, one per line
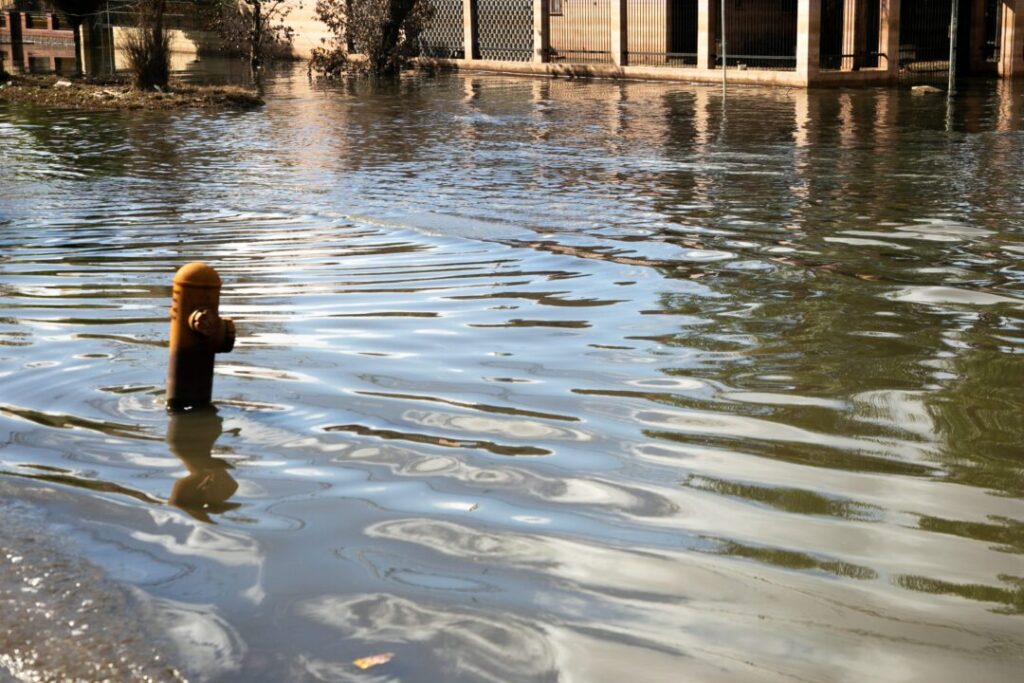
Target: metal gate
505 30
993 30
759 34
924 39
836 53
662 32
581 31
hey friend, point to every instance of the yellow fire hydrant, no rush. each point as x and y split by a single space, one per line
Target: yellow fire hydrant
197 333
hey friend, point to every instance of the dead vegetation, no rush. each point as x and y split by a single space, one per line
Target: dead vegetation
103 94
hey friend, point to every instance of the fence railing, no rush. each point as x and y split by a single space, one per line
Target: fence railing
850 41
993 35
759 34
581 31
662 32
443 37
924 39
504 30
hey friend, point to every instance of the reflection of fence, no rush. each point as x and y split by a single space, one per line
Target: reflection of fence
505 29
759 34
662 32
443 38
581 32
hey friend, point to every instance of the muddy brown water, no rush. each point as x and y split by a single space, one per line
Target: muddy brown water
536 380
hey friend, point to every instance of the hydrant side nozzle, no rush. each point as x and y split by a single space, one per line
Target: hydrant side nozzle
228 337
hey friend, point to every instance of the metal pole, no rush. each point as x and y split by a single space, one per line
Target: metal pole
723 47
951 90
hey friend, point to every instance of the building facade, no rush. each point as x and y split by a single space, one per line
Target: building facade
795 43
783 42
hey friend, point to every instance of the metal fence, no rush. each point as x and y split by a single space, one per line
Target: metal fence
759 34
443 37
837 50
993 33
924 39
504 30
581 31
662 32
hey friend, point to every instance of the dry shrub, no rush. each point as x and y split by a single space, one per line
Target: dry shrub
148 47
385 31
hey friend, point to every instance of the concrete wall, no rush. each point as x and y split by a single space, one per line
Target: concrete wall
184 48
308 31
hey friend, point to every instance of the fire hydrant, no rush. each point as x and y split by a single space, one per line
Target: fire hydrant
197 333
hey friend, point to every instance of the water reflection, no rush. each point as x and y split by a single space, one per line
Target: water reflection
208 486
763 370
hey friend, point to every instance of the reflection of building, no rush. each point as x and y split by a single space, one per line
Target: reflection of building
786 42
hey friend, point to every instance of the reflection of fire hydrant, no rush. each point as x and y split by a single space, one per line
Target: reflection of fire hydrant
197 333
208 485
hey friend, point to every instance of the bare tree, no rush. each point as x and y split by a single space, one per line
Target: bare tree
148 46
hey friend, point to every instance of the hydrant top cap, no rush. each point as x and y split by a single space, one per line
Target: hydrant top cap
197 275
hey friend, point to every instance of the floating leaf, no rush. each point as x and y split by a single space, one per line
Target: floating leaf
374 660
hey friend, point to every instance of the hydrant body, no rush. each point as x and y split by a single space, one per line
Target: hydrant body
197 333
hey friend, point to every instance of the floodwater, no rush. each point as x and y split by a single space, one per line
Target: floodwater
536 380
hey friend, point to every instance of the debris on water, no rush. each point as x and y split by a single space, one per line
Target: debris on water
62 84
925 90
374 660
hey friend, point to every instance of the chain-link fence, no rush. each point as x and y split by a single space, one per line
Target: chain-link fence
505 30
443 37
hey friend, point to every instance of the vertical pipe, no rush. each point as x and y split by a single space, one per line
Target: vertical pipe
952 47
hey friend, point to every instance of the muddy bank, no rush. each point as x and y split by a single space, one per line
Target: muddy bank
80 93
